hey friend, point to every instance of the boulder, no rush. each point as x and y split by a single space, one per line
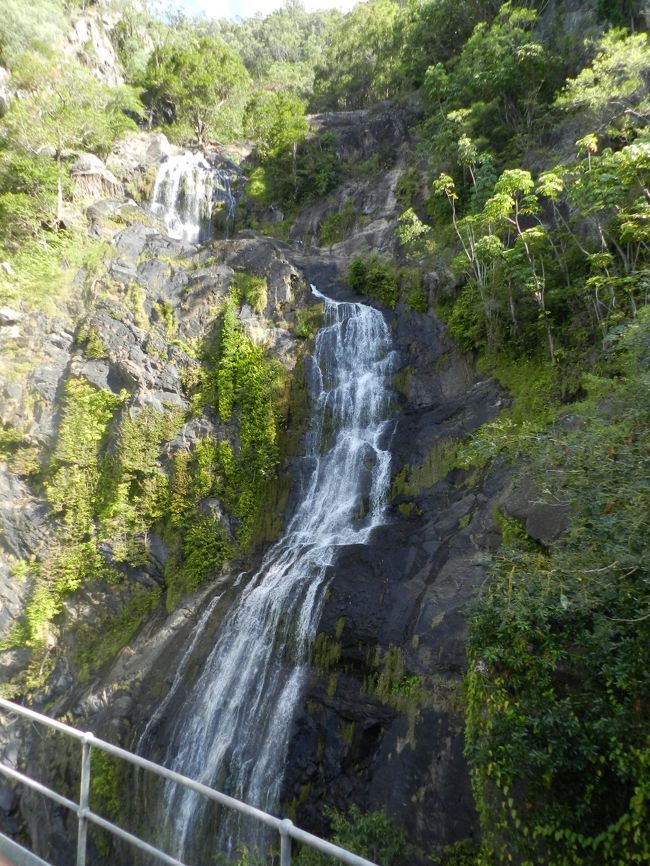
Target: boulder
137 152
93 180
544 521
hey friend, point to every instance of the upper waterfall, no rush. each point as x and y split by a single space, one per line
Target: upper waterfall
235 731
185 192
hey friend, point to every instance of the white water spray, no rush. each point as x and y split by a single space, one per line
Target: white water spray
184 194
235 734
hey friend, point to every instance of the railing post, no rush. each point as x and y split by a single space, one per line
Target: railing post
84 799
285 842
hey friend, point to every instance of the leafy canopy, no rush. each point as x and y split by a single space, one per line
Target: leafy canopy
198 88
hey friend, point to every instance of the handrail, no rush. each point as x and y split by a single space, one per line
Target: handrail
284 827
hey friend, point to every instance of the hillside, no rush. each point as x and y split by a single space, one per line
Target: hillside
468 679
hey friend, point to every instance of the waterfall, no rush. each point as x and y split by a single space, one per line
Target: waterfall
184 194
235 732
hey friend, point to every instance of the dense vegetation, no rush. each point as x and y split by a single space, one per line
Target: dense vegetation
529 186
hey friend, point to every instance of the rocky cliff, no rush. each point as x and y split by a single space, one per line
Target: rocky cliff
133 352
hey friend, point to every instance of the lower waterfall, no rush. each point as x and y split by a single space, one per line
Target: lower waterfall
234 733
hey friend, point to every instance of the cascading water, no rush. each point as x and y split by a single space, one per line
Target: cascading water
184 194
236 730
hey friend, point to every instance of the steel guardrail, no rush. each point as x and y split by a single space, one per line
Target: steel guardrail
283 826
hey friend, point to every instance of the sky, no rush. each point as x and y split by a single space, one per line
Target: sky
248 8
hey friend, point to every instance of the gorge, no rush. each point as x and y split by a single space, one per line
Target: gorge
324 425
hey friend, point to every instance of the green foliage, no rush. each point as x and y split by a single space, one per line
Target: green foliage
464 853
73 558
612 89
75 111
558 686
369 834
23 27
28 194
252 290
376 277
308 321
91 342
276 122
620 13
133 489
44 268
516 431
253 385
413 234
433 31
281 49
104 784
197 86
352 78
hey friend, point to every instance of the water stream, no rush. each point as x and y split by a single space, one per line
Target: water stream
184 195
235 733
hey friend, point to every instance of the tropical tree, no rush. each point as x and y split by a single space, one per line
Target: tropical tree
613 89
276 122
198 88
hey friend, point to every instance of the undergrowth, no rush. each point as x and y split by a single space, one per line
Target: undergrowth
558 688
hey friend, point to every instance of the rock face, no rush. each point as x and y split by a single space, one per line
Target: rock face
381 135
89 42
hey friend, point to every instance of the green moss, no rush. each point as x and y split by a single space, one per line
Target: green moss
515 431
326 653
401 380
392 683
416 297
104 797
408 187
163 312
413 480
347 732
97 644
23 458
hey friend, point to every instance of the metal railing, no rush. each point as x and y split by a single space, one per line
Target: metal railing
284 827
